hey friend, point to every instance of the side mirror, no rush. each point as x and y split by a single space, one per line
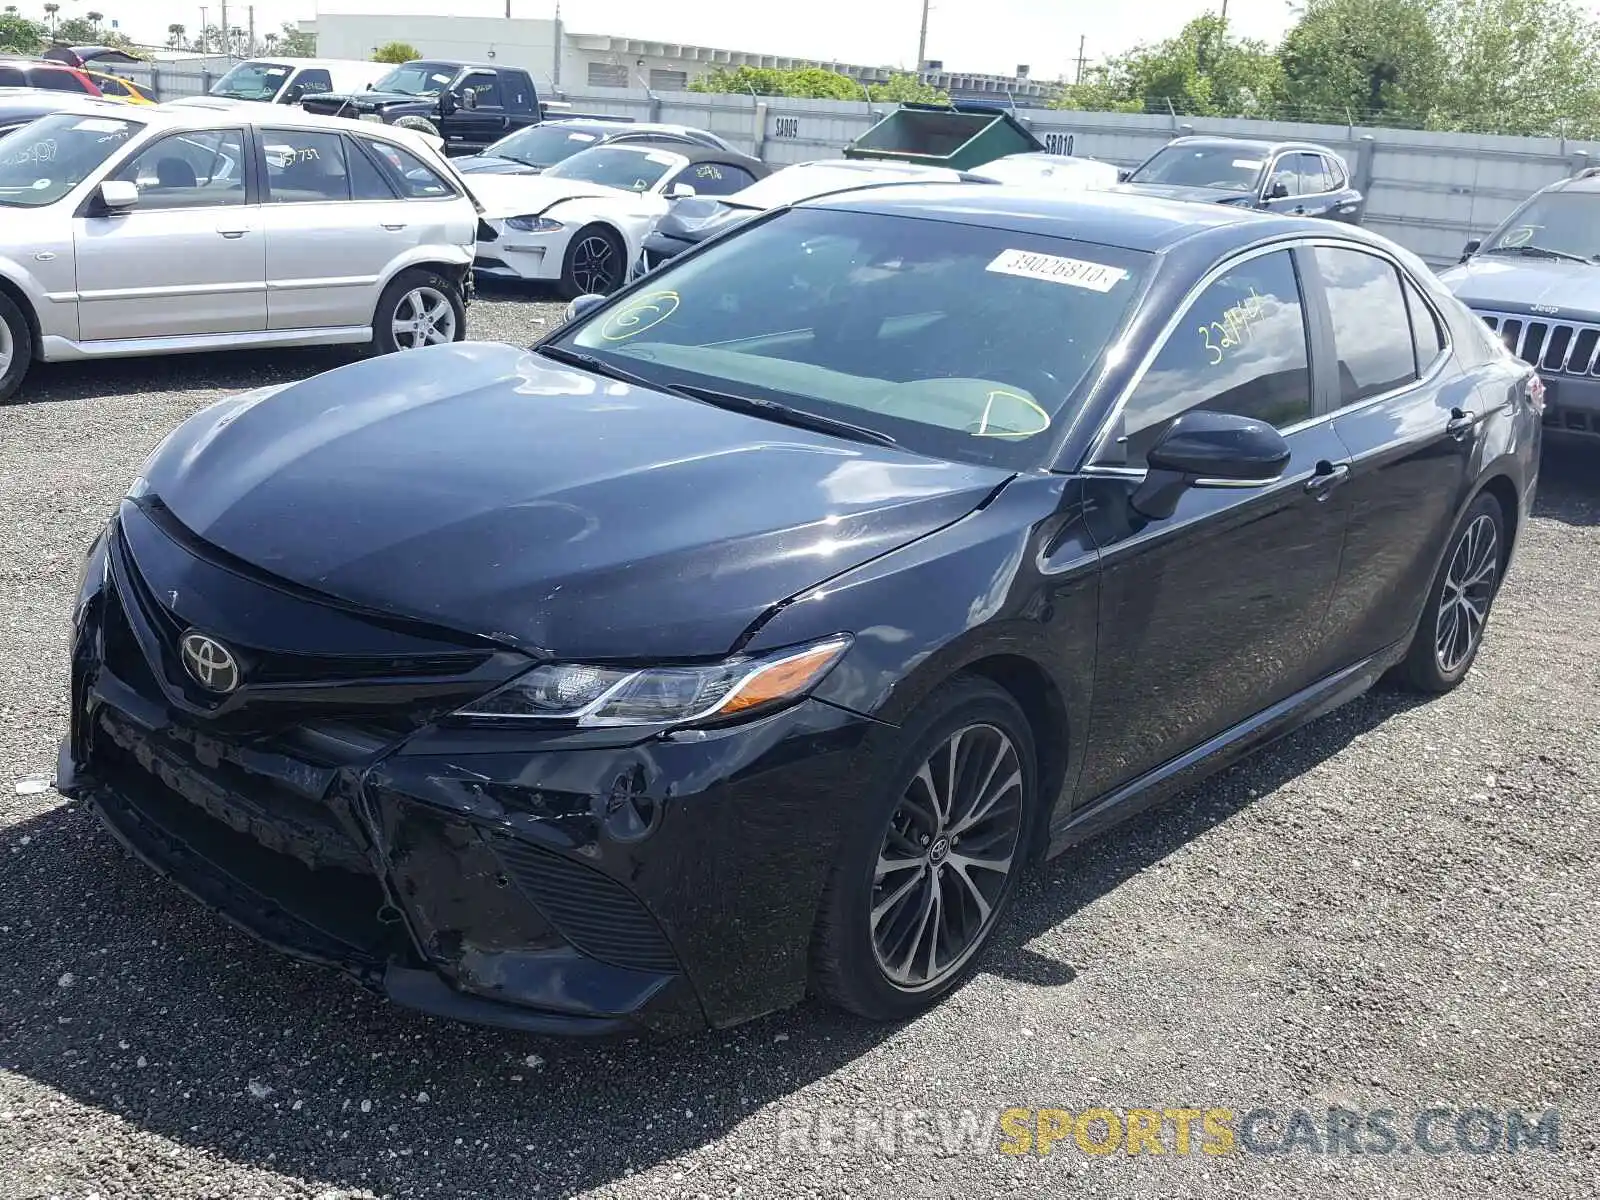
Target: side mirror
1207 447
118 195
582 307
447 103
1124 175
681 189
1278 191
1471 248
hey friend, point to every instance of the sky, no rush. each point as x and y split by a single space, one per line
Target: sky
968 35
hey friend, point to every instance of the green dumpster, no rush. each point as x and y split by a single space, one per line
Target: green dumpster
962 136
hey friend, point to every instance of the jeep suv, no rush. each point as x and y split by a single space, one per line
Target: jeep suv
1536 281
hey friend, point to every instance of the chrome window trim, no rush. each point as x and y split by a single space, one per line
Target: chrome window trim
1103 435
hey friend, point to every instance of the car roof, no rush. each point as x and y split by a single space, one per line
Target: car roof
1216 139
213 112
44 102
1583 182
1130 221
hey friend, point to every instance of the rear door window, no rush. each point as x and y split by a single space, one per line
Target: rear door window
304 167
410 176
1371 328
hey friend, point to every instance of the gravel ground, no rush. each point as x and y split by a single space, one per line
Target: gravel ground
1392 909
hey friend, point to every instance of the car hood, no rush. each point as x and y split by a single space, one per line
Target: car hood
1517 284
530 195
489 164
488 489
1172 191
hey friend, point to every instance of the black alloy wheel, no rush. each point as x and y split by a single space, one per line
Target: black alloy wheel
923 879
1450 632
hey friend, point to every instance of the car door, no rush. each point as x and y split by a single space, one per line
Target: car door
1215 613
333 227
189 258
1344 203
471 129
1290 174
1409 420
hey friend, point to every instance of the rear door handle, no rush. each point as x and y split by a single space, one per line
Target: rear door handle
394 228
234 233
1326 477
1460 425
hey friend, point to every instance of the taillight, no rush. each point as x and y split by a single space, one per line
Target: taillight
1536 391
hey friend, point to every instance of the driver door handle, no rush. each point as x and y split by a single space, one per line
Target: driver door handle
1326 477
1461 425
394 228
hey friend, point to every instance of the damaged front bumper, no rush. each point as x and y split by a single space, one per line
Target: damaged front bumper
560 884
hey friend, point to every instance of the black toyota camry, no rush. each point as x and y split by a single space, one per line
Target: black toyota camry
753 633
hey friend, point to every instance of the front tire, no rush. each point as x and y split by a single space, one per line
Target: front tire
418 308
1450 632
16 347
419 124
926 872
595 263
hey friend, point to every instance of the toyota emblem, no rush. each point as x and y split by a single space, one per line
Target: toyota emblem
210 663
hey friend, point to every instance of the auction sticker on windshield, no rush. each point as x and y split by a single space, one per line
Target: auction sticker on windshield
1074 272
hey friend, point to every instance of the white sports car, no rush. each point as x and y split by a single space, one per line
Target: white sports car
581 223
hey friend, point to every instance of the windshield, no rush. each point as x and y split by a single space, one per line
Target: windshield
542 145
955 340
417 79
42 162
1562 222
1231 168
252 81
625 167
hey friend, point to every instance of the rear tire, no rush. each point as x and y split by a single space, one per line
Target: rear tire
16 347
595 263
909 857
418 308
1450 632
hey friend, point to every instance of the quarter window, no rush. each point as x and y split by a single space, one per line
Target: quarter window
1371 330
1241 349
413 177
1425 330
189 170
367 182
304 167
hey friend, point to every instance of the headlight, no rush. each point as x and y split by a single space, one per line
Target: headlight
599 695
533 224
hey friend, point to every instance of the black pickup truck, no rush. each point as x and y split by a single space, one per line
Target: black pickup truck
469 105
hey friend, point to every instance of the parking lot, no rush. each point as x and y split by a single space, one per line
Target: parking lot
1392 909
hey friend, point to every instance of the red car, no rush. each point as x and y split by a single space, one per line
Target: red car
50 76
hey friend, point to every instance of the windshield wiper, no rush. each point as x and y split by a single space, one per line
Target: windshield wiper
772 410
1540 252
750 405
575 358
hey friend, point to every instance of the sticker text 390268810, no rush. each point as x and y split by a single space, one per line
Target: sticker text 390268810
1074 272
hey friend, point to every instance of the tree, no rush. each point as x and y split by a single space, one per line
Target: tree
175 34
295 42
50 11
1200 72
811 82
1363 60
94 19
76 31
18 35
396 52
907 89
1520 66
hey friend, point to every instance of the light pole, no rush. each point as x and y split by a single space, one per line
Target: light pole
922 39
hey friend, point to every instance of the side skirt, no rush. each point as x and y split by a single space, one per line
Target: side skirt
59 349
1226 747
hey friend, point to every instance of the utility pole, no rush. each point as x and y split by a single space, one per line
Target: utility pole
250 46
555 51
205 42
922 39
1082 41
227 42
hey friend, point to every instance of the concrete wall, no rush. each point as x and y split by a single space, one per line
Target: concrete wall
516 43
